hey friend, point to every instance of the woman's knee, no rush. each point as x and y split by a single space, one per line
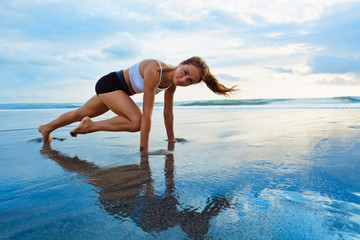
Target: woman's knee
135 124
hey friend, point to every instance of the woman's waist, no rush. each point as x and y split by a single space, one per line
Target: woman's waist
127 80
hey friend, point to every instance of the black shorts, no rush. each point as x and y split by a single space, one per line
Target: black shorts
112 82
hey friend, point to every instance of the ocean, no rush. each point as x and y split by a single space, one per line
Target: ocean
280 103
245 169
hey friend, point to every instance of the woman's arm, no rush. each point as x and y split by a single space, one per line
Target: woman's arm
148 104
151 77
168 112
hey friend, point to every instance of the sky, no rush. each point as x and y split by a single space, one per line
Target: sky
56 50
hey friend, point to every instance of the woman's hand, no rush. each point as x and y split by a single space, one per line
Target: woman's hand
177 140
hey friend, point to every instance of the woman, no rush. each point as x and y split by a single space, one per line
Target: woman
114 91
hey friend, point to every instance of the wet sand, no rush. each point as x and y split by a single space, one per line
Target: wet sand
240 174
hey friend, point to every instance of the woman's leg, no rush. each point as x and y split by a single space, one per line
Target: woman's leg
92 108
128 119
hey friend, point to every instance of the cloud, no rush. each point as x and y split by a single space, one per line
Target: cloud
337 31
340 81
120 51
228 77
224 18
330 64
44 61
50 41
122 45
280 12
273 34
8 58
280 69
260 55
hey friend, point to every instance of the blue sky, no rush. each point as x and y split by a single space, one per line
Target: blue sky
55 50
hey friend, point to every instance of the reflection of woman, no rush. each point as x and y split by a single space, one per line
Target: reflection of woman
127 192
114 91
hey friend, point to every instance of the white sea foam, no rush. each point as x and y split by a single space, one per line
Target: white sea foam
291 103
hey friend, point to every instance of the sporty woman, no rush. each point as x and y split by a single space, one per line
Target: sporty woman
113 93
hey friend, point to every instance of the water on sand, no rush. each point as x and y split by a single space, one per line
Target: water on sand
241 174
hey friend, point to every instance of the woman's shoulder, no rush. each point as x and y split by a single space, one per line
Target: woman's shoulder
151 65
151 62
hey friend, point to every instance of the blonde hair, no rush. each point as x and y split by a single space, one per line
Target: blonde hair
210 80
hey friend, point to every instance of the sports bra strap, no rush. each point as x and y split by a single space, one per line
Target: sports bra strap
160 71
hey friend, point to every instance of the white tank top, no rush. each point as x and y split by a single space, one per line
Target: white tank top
137 81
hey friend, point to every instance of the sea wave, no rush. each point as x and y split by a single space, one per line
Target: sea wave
355 99
278 103
38 106
229 102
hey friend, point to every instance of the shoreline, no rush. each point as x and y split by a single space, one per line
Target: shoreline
282 103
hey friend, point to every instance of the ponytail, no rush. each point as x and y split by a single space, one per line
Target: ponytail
213 84
210 80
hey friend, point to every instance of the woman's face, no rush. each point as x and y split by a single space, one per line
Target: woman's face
186 74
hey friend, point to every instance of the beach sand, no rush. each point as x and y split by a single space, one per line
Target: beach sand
240 174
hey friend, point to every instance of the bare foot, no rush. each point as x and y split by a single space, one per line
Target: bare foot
45 133
83 128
